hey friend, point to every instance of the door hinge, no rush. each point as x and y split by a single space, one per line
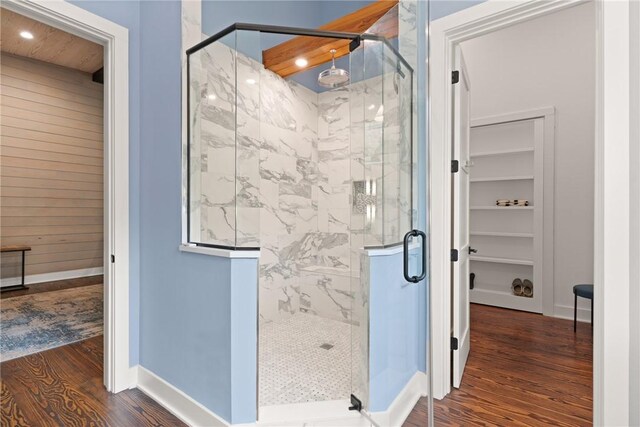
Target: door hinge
455 166
455 77
113 258
356 404
454 343
454 255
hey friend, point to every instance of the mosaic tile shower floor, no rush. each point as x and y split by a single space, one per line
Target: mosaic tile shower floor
294 365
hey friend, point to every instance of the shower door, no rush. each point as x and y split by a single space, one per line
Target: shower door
389 305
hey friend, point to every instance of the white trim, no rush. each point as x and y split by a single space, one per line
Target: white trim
403 404
310 414
514 117
224 253
299 413
175 400
115 39
391 250
446 33
315 413
566 312
500 299
612 215
52 277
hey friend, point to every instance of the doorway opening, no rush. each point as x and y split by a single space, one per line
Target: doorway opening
52 187
110 172
522 206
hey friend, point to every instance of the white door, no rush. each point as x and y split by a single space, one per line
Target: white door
460 277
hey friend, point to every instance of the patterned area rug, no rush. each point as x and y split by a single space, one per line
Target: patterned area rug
33 323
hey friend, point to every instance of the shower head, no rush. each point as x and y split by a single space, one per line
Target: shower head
333 77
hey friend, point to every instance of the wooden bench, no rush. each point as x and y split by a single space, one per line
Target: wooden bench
15 248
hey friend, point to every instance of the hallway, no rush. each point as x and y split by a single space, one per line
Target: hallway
523 369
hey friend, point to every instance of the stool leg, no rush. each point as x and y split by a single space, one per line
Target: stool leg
591 315
575 311
23 256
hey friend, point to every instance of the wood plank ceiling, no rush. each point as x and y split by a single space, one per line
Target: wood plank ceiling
281 58
49 44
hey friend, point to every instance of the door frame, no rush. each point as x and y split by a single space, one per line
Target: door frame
115 40
612 178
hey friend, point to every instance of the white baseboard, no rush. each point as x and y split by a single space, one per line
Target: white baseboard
403 404
297 414
51 277
315 414
566 312
175 400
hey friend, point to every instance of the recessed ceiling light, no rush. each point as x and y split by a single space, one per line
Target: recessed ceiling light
212 96
251 81
372 106
301 62
26 35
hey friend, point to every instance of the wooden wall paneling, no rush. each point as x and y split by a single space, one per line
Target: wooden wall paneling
51 166
50 174
36 107
50 100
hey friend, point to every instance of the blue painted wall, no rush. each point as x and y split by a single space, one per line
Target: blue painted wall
441 8
216 15
182 319
181 304
186 301
396 328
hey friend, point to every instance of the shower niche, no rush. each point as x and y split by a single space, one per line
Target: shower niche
314 169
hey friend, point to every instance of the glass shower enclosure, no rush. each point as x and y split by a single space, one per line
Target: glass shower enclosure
321 181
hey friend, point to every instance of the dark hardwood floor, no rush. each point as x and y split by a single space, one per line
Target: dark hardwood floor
523 369
58 285
63 387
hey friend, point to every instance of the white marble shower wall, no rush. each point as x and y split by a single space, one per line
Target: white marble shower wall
276 165
289 236
261 151
327 285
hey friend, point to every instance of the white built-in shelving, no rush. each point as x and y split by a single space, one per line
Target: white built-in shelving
501 208
502 152
500 234
500 260
506 163
503 178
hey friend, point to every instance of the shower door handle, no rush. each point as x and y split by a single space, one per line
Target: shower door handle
423 273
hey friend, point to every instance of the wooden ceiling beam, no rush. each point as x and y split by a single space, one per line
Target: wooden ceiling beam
281 58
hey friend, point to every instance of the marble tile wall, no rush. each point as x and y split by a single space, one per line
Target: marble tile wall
274 164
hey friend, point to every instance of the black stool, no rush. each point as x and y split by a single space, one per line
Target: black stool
584 291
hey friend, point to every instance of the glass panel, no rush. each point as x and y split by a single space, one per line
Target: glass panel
362 203
372 89
306 261
212 133
249 72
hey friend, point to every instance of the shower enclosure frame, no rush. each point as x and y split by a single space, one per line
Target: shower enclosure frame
356 39
396 242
